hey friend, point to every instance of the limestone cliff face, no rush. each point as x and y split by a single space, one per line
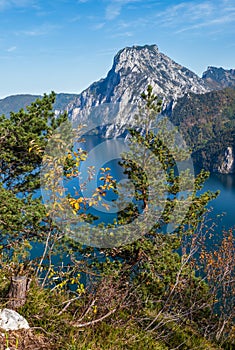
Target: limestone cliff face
227 164
134 68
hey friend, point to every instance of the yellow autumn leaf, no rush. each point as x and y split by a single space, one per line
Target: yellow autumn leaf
76 206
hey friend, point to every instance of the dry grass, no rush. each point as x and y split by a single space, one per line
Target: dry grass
24 340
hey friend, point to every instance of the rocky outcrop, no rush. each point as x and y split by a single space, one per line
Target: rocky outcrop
227 165
10 320
219 78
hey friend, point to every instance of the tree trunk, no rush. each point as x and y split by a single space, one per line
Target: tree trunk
18 290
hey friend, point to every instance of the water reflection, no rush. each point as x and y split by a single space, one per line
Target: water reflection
228 181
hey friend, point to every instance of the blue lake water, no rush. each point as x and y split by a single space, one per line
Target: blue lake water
106 153
225 202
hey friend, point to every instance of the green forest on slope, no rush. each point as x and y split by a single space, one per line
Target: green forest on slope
207 122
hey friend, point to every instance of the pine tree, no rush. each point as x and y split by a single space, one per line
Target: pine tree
20 160
154 259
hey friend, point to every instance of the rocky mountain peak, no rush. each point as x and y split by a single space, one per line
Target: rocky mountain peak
133 69
146 64
219 78
132 58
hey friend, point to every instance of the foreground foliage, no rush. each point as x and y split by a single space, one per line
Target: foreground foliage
164 290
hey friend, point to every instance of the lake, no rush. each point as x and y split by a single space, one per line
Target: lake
106 153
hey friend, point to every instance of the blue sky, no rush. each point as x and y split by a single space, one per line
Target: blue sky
64 45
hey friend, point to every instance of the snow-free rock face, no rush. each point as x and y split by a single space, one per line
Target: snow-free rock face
134 68
219 78
10 320
227 165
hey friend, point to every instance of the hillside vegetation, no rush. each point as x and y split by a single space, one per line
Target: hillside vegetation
207 122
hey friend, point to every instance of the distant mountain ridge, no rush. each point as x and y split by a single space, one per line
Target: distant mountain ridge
15 102
219 78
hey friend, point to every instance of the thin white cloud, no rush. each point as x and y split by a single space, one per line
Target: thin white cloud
230 9
186 11
7 4
114 9
3 4
188 16
141 22
179 17
22 3
75 19
11 49
122 34
107 52
99 26
44 29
